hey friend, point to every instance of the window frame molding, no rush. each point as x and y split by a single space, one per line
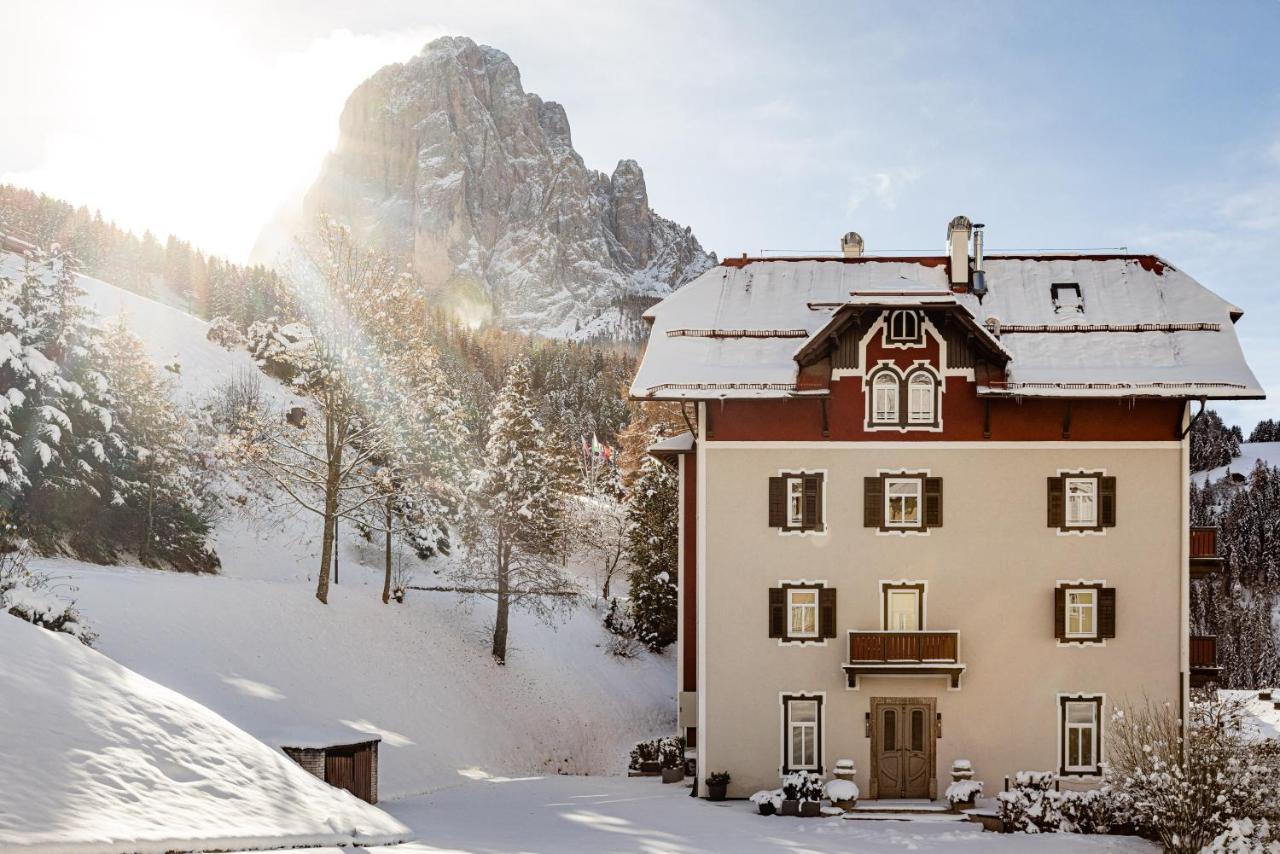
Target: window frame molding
804 530
785 698
817 585
1067 480
902 376
1097 585
916 525
921 530
922 590
1099 701
889 339
788 590
1099 529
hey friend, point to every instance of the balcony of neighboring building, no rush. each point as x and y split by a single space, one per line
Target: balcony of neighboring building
904 653
1204 661
1205 560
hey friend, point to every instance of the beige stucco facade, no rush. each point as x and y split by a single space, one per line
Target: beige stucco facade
990 572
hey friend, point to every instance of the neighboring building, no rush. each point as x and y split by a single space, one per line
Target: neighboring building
935 507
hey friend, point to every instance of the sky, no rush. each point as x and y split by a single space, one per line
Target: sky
1150 126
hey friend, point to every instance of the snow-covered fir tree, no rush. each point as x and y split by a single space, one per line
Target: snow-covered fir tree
162 476
512 522
1213 444
653 550
1267 430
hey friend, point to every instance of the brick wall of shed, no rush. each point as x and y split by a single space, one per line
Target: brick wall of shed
311 759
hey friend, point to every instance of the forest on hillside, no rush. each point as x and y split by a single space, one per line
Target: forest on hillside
1240 604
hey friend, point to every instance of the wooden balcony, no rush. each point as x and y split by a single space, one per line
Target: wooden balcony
1204 661
904 654
1205 560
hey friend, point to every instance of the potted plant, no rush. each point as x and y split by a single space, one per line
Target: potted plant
767 800
717 783
802 794
790 794
644 759
671 758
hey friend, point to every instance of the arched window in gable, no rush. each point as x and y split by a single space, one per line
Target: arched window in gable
922 398
903 327
884 398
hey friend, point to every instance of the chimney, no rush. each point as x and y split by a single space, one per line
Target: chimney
851 245
958 249
979 275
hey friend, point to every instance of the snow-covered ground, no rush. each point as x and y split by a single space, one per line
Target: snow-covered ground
1262 717
568 815
97 758
1250 453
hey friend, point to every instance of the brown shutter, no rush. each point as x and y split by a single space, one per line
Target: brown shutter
813 502
1060 612
777 612
1107 612
827 612
933 502
1057 502
872 502
777 502
1107 502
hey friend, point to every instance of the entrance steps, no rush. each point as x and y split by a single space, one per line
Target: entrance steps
902 810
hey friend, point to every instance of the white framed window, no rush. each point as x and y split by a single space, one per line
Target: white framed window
920 398
902 500
1082 612
904 327
795 502
802 612
902 609
884 398
803 733
1066 298
1082 502
1080 719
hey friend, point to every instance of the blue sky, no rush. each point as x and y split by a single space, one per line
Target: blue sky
1154 126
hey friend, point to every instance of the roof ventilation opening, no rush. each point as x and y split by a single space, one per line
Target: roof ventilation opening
979 275
851 245
958 249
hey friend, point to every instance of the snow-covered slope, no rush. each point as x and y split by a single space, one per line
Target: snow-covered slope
1250 454
255 646
97 758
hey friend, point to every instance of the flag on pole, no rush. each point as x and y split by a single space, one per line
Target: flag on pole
595 444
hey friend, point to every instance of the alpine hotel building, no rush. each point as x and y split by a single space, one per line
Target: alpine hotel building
934 507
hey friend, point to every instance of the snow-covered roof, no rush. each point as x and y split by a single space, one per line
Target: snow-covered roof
1147 329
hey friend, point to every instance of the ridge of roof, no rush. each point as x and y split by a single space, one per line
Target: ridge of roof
1149 262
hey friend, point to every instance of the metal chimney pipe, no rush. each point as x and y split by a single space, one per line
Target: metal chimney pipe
979 275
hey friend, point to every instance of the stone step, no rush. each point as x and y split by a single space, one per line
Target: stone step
899 815
902 806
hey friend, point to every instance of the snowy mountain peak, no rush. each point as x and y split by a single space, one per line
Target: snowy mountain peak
448 164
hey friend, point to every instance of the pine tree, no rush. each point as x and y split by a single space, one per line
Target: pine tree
511 526
1267 430
1213 444
653 549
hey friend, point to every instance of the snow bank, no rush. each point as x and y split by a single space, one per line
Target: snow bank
1262 718
99 759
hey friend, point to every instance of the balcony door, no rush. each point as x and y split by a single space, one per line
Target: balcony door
903 749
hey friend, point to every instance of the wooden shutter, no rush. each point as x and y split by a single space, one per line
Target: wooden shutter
1057 502
777 502
813 502
872 502
777 612
933 502
1060 612
1107 502
827 612
1107 612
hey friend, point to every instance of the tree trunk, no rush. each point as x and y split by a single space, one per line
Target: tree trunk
326 549
608 579
504 603
144 553
386 580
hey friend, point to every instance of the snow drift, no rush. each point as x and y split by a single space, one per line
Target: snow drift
99 759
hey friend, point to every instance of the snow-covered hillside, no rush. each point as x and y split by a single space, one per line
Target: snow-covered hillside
255 646
1250 454
107 760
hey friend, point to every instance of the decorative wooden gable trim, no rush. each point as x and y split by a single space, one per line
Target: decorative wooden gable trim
851 321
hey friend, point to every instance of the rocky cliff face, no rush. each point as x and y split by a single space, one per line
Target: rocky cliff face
446 162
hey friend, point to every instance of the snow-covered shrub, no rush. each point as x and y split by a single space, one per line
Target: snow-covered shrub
644 751
279 349
224 333
963 791
1245 836
841 790
1032 805
1188 793
768 801
30 595
668 752
1093 810
802 786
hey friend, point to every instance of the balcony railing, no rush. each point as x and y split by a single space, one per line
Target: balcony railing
1204 660
932 653
1205 559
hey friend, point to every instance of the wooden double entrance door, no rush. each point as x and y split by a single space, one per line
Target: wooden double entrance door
903 747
